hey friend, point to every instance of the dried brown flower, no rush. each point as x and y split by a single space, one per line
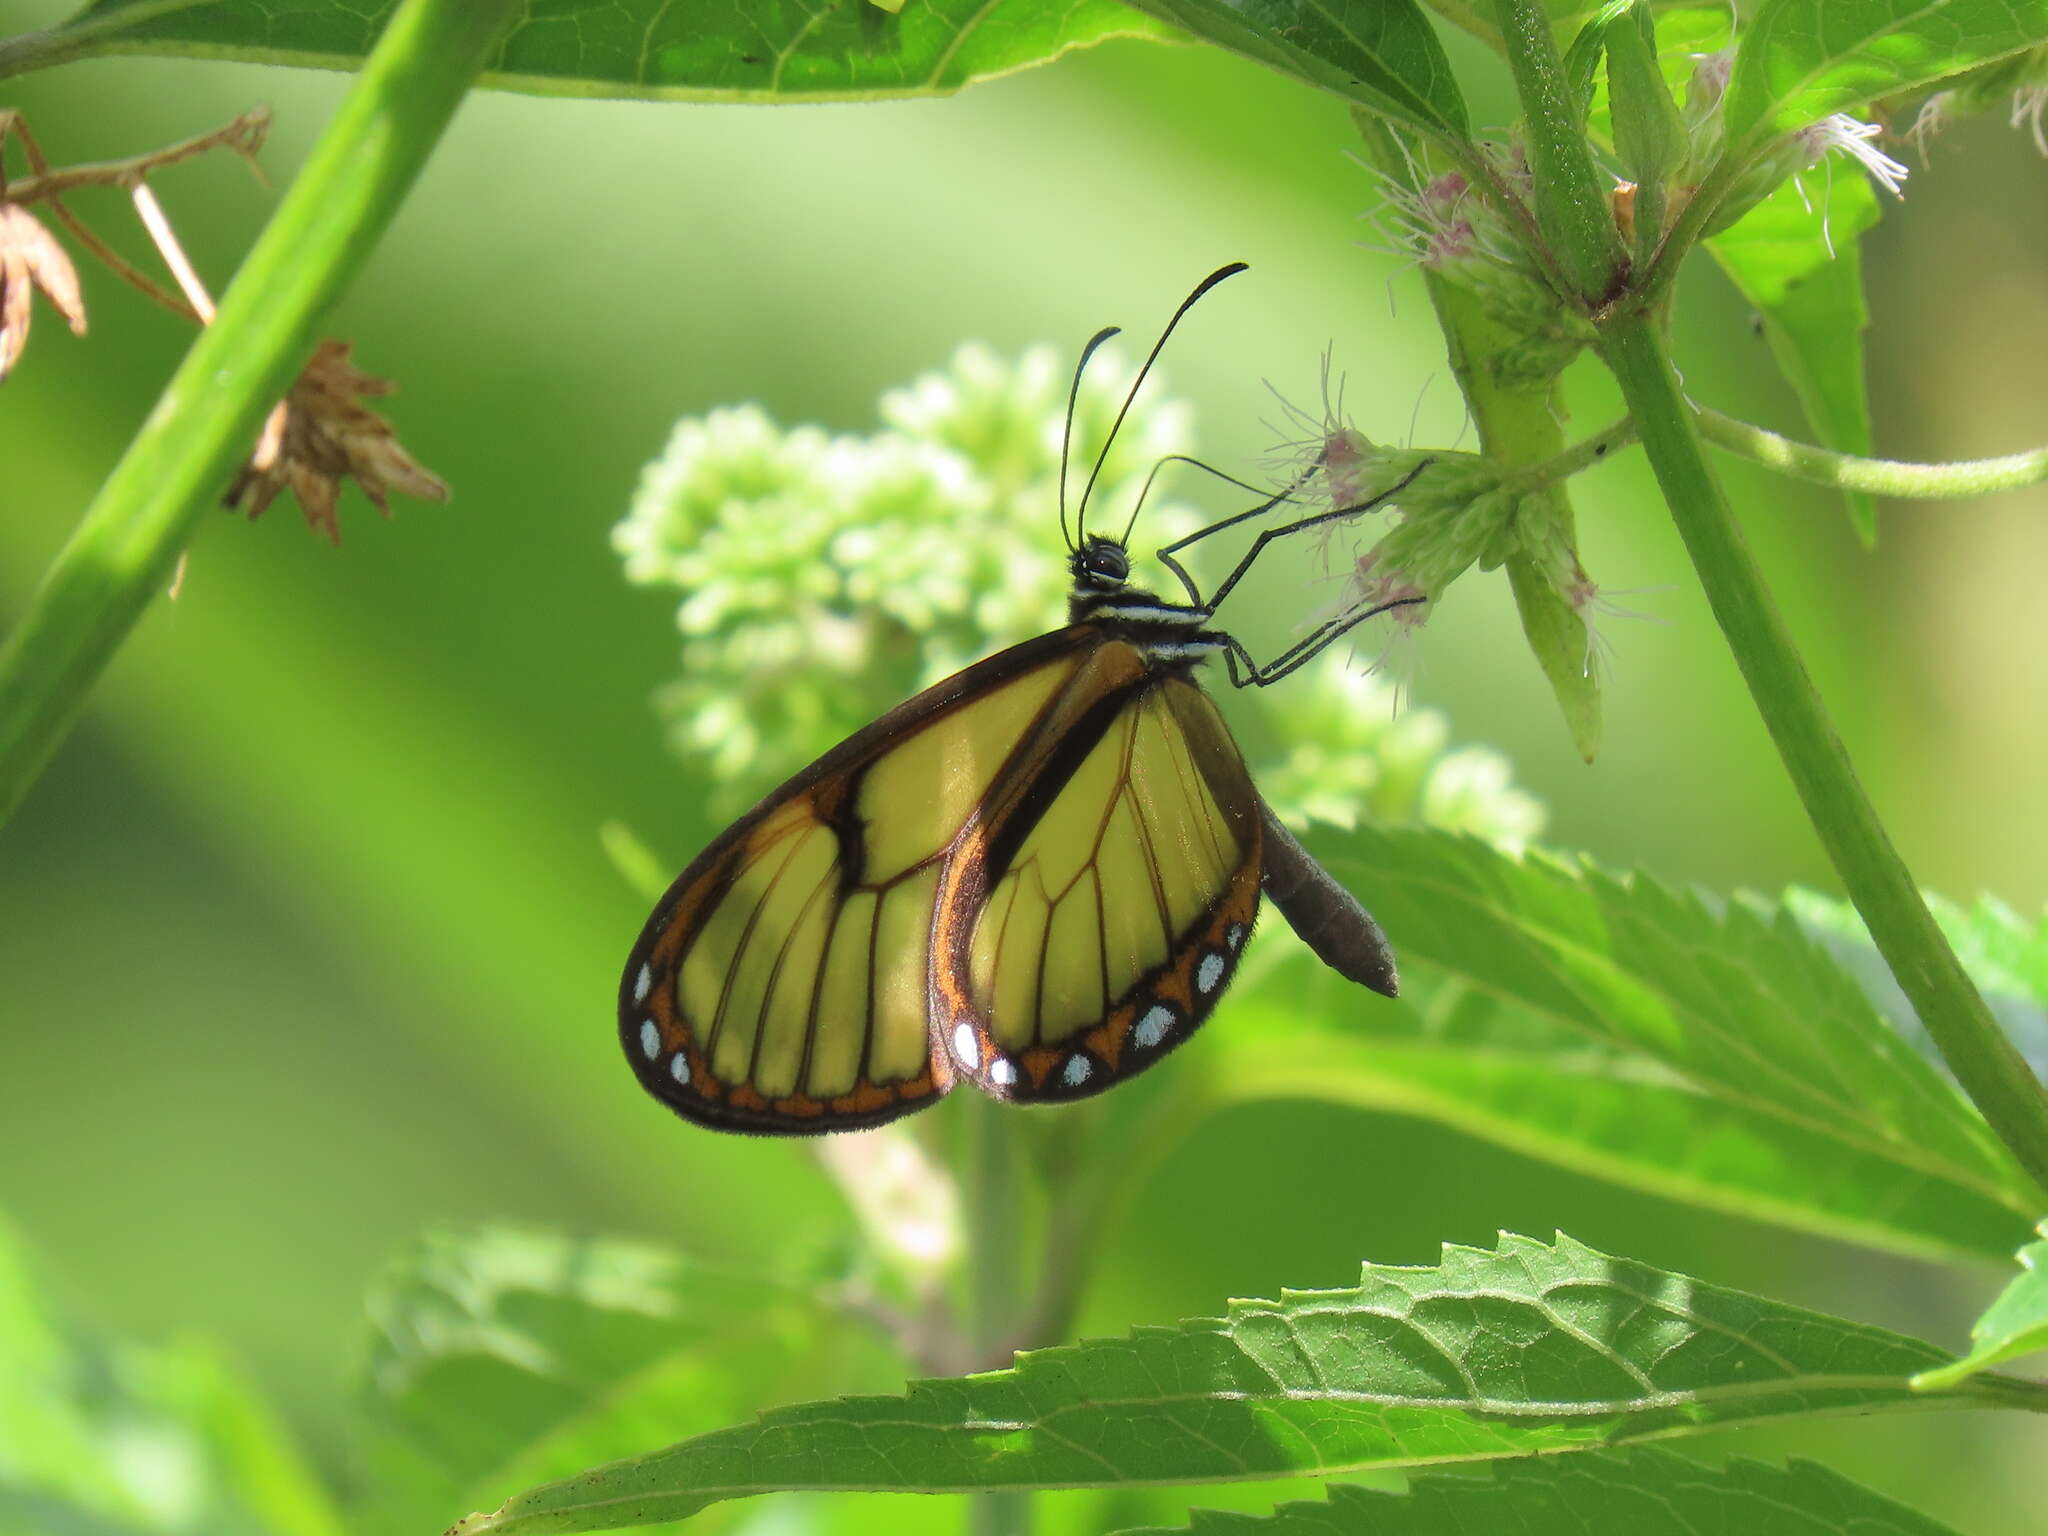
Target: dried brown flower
31 258
318 435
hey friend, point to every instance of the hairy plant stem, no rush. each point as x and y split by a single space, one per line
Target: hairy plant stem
1582 455
1882 477
1895 478
1984 1061
176 468
1571 199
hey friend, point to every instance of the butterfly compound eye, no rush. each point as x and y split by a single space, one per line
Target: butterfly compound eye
1106 561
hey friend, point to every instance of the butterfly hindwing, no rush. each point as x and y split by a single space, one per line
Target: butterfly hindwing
783 983
1090 921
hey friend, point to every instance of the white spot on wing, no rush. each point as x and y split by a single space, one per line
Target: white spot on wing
650 1039
1002 1072
965 1046
643 984
679 1068
1076 1071
1209 972
1235 937
1153 1027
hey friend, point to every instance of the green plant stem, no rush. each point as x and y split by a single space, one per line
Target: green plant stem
1571 201
994 1219
29 51
179 463
1883 477
1984 1061
1655 281
1822 466
1581 455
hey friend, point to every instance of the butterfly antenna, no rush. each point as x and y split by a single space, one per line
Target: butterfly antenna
1186 304
1067 433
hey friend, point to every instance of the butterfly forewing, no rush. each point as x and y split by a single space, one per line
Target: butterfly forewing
783 984
1088 924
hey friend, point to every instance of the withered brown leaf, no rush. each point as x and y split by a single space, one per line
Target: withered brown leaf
319 435
31 258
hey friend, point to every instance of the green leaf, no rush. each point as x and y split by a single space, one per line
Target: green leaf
1531 1348
1593 1495
1556 631
1588 48
1796 257
2015 1324
101 1435
2002 950
1800 60
1631 1032
712 50
1378 54
1649 137
2006 957
502 1356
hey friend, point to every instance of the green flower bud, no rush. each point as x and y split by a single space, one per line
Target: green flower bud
1441 223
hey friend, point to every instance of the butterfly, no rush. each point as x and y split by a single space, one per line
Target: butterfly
1037 876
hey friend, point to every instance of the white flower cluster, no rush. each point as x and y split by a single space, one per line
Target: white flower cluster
825 578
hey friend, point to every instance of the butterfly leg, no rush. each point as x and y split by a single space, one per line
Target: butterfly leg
1247 673
1267 536
1268 503
1270 500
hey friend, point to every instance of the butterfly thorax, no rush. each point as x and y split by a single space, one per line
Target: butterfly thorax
1173 634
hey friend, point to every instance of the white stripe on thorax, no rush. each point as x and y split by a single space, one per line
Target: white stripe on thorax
1151 613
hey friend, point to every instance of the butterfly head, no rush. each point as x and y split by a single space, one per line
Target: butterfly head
1099 565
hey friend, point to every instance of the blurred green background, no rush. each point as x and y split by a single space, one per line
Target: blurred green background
306 938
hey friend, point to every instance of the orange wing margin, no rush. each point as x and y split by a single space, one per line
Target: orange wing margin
1090 923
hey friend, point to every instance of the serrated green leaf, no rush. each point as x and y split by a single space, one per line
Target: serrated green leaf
1800 60
1632 1032
1378 54
1796 257
97 1434
1530 1348
2015 1324
501 1356
1684 34
1588 48
711 50
1596 1494
2004 951
2005 956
